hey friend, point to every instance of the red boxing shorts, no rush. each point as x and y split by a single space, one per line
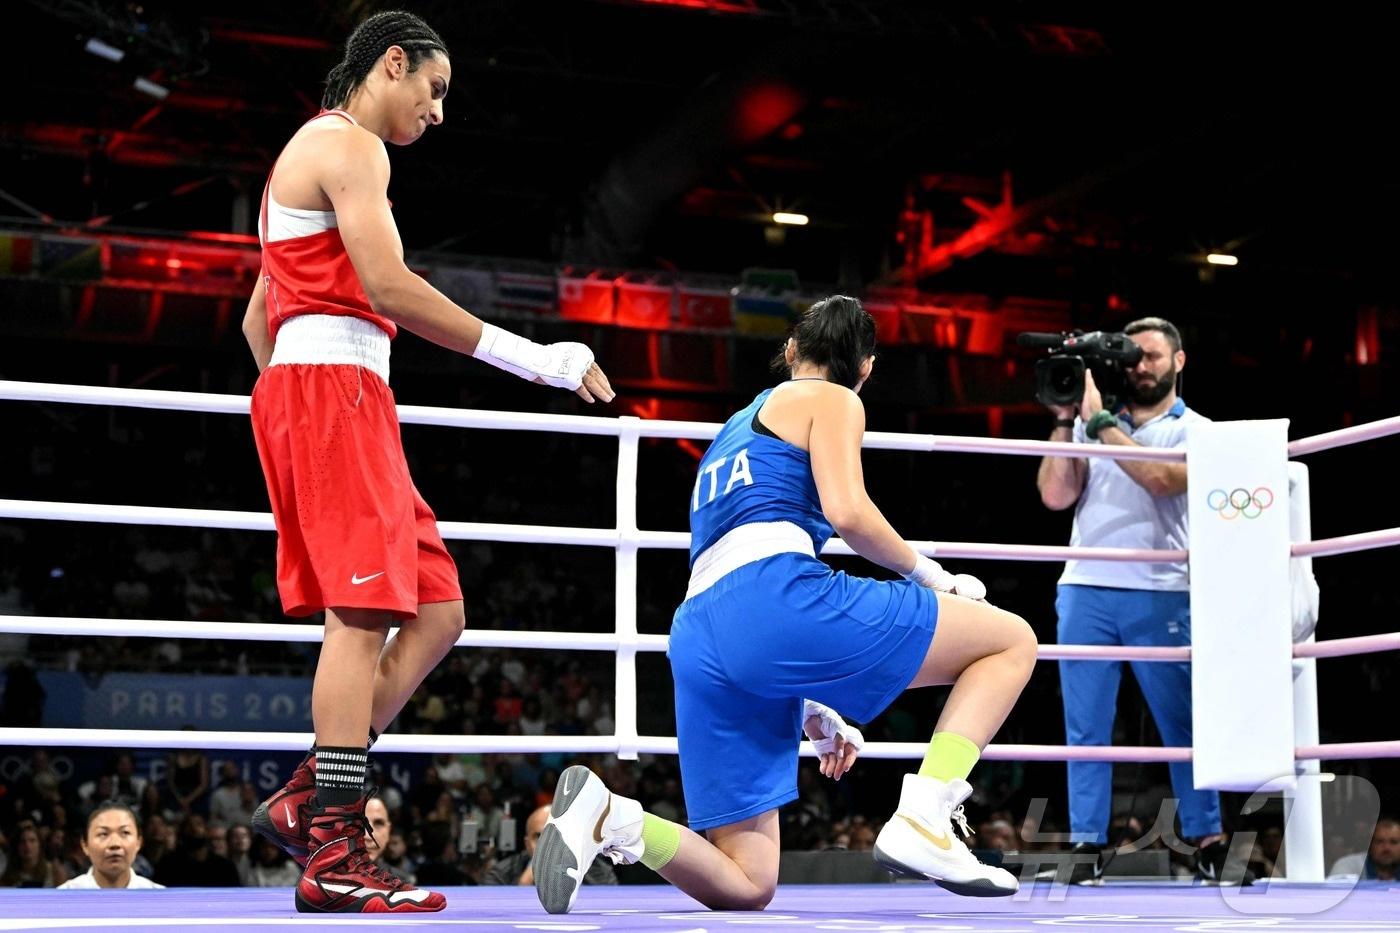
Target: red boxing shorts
352 531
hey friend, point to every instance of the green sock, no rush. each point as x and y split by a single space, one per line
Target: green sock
660 840
949 757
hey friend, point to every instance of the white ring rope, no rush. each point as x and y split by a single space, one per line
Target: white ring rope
585 424
284 632
607 744
1347 544
1345 436
471 638
542 534
1348 647
563 424
626 539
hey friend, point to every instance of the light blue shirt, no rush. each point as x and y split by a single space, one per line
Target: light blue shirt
1114 511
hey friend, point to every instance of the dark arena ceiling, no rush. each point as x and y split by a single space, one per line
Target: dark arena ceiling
663 134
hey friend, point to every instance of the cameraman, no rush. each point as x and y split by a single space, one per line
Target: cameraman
1128 504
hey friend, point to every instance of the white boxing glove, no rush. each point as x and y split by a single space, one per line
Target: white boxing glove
561 365
832 725
929 573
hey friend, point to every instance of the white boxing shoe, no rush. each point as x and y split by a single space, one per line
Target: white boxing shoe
918 841
585 820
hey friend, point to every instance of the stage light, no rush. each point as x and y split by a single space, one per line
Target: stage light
1222 259
103 50
796 220
150 87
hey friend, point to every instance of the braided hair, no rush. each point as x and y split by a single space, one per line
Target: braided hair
837 333
369 41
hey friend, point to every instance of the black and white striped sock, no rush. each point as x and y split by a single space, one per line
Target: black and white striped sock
340 775
373 737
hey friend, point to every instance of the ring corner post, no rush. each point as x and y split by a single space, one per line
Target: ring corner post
1303 832
625 702
1241 643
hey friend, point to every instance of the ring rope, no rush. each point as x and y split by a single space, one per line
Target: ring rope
565 424
543 534
588 641
1348 647
609 744
627 539
585 424
1344 437
1347 544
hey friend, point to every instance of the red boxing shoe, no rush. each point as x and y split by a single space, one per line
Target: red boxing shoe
285 817
340 877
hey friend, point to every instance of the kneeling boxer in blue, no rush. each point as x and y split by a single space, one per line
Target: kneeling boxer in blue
770 641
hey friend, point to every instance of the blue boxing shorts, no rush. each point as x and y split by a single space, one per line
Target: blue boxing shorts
747 651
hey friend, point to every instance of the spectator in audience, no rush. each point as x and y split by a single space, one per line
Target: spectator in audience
111 843
424 796
442 866
28 868
516 869
248 803
486 812
549 780
862 835
156 836
523 771
453 775
1126 831
22 703
187 781
240 843
75 859
997 835
271 866
94 792
473 704
1039 834
127 785
40 790
388 792
603 723
396 857
381 832
840 839
193 863
12 600
65 849
150 803
509 703
226 802
531 720
429 707
444 813
1266 858
511 667
217 834
1378 863
590 706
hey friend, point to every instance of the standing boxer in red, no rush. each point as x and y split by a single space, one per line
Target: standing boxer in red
354 538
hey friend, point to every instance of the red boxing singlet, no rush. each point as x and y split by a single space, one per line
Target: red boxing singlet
309 272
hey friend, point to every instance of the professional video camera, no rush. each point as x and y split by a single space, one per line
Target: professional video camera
1059 378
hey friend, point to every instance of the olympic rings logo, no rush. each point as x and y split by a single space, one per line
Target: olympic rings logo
1231 505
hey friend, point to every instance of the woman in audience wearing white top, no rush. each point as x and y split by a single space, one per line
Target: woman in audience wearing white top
111 843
